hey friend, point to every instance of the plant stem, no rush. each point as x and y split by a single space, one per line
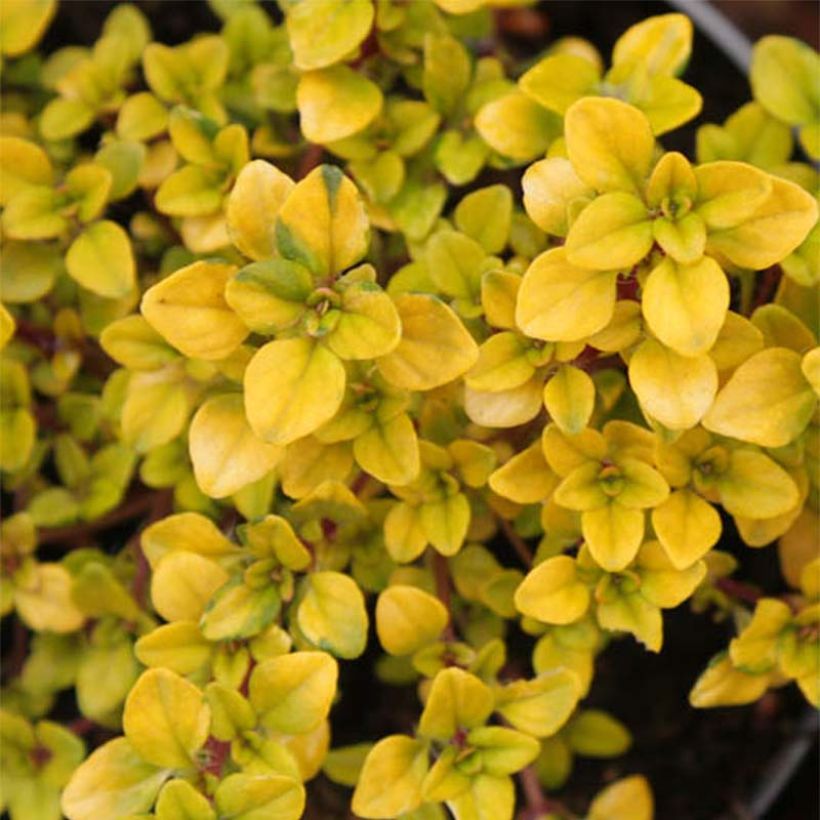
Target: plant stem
516 541
441 571
310 160
739 590
142 502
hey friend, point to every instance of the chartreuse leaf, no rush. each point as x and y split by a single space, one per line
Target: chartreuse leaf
526 478
225 452
43 599
293 693
445 522
166 719
661 44
188 309
391 779
558 80
771 232
560 302
503 364
613 534
22 164
253 205
676 390
722 684
335 103
609 143
28 270
435 347
188 532
322 224
331 614
685 305
23 23
260 796
487 797
141 117
178 646
627 799
783 75
156 408
133 343
389 450
687 527
326 31
810 365
101 259
447 71
368 325
292 386
767 400
179 800
486 215
457 700
517 127
756 486
182 584
554 194
539 706
270 296
613 231
503 751
569 397
113 780
237 610
408 618
552 592
755 649
595 733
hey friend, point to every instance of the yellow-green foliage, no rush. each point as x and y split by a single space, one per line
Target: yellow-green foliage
274 391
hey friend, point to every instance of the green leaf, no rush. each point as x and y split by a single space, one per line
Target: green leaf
391 778
408 618
552 592
332 615
189 310
676 390
260 797
101 259
322 224
335 103
783 77
685 305
293 693
613 231
113 780
292 387
561 302
225 453
435 346
368 325
517 127
446 73
485 215
609 143
457 700
326 31
166 719
767 400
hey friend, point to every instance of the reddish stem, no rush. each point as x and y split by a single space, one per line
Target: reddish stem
516 541
310 160
441 572
739 590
